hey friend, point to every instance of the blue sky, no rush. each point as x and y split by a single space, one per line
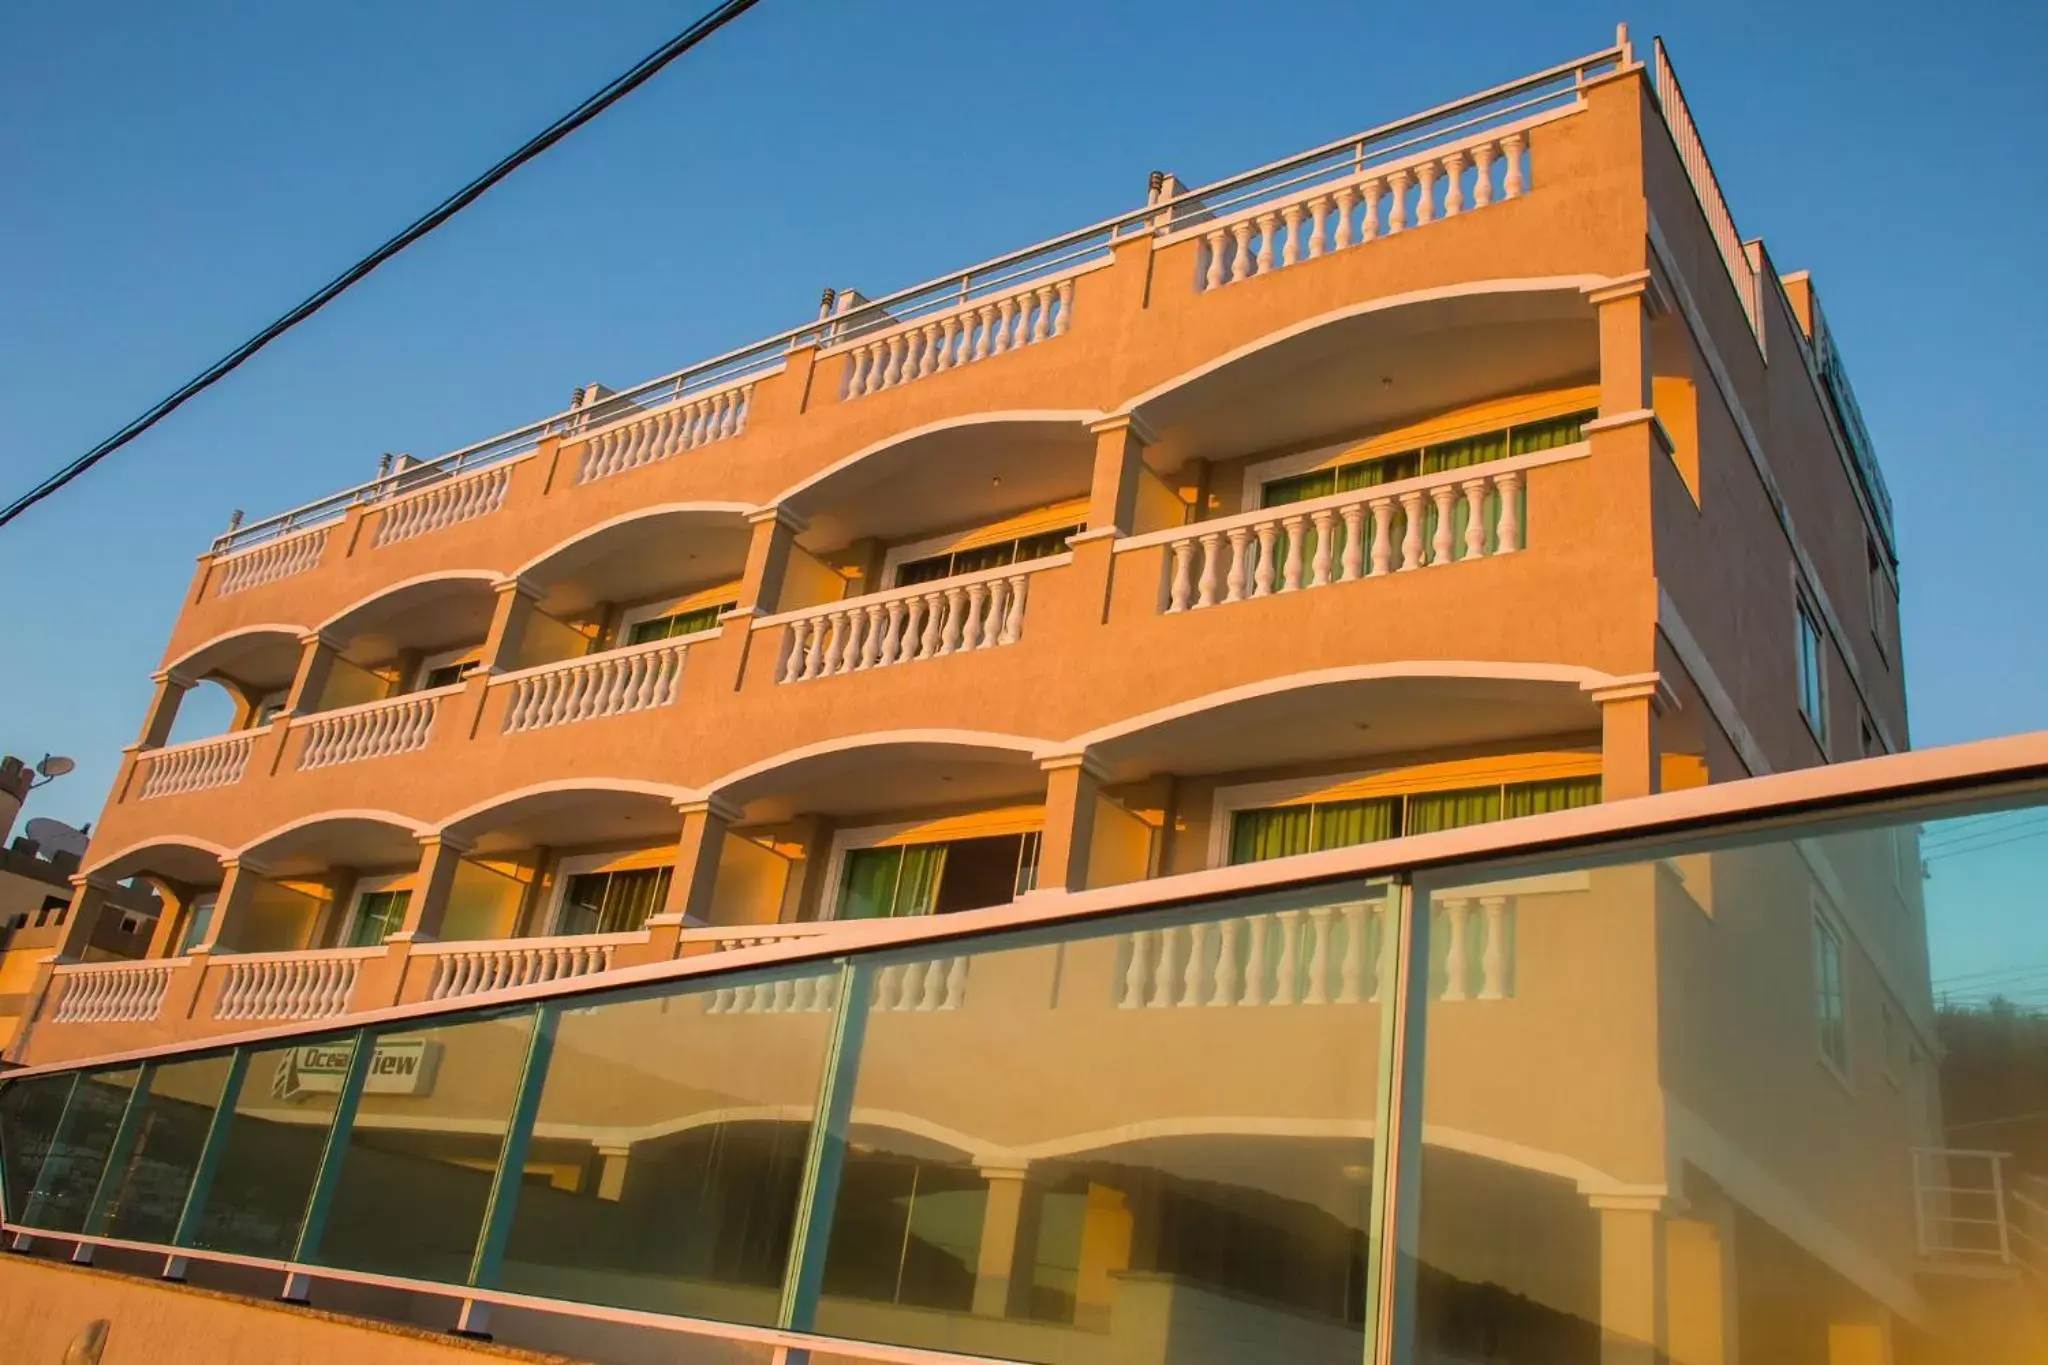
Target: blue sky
178 174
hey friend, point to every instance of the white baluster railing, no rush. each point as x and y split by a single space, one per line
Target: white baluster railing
377 729
446 503
1379 201
1323 955
925 621
110 992
195 766
308 985
1435 519
461 969
269 562
977 330
686 425
610 684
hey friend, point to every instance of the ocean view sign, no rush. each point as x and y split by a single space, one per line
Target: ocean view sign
398 1066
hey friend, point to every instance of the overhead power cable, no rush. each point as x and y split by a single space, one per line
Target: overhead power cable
583 113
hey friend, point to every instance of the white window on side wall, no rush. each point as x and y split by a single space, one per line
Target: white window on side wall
1829 998
1811 652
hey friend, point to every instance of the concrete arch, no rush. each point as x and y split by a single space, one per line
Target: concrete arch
568 811
348 838
181 858
211 656
603 529
419 587
885 770
806 491
1549 698
1445 298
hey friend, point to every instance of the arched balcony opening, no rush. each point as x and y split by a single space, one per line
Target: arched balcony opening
928 544
660 574
909 824
237 682
340 881
421 636
1402 434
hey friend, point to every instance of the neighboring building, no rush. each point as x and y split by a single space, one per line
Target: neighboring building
1469 469
35 906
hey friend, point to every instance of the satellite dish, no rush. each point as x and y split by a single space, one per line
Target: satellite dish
55 765
54 836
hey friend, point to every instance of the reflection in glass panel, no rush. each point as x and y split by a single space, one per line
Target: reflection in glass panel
668 1151
270 1152
418 1163
63 1192
30 1110
144 1193
1149 1145
1732 1100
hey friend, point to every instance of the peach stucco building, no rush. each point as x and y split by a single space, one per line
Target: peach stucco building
1468 469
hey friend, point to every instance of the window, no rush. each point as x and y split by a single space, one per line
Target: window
377 915
691 622
447 675
1521 439
197 922
1880 594
1827 994
612 902
1812 663
1310 827
955 562
937 878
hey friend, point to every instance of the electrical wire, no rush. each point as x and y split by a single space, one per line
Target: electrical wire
618 89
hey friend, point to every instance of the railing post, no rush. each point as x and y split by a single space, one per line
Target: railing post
210 1149
332 1153
1392 1227
504 1197
825 1157
1998 1198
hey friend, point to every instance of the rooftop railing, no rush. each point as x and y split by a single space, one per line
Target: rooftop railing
992 281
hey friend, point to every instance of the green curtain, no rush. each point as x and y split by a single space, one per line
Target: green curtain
1557 793
1550 433
869 888
1340 824
1281 832
682 623
1378 470
1299 488
1472 450
917 890
378 914
1429 812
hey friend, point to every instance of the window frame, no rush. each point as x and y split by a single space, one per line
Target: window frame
1037 521
582 864
1008 820
364 888
1806 626
1825 933
725 596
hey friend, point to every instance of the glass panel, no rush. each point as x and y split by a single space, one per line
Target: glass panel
1050 1159
978 872
30 1110
1299 488
923 570
1554 794
270 1152
681 623
1282 832
70 1174
1749 1099
1464 453
917 889
1550 433
612 902
1429 812
1340 824
144 1195
870 888
378 915
985 557
417 1167
669 1148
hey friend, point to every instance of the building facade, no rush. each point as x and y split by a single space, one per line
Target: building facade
1469 469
